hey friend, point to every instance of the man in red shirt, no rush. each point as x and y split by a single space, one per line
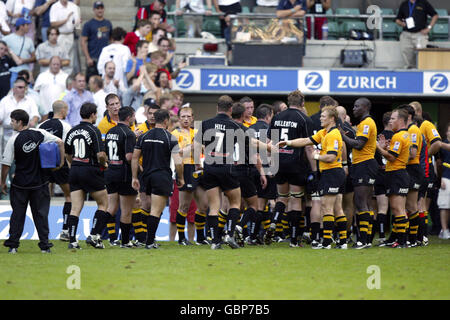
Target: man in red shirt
157 6
132 38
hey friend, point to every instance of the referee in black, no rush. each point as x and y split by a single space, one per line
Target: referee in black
30 182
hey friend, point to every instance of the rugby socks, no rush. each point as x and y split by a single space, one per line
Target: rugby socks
233 217
152 226
137 220
200 221
99 221
401 222
370 229
72 225
294 222
381 223
249 215
125 229
363 225
284 225
277 217
255 224
328 224
413 227
180 220
111 226
265 216
66 212
307 218
341 228
213 222
315 231
221 222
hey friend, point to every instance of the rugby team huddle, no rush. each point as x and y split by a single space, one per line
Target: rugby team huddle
331 180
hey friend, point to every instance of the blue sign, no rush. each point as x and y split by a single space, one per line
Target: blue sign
439 83
185 79
313 81
248 80
376 81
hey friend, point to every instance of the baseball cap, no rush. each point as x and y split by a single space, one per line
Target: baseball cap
150 102
22 21
98 4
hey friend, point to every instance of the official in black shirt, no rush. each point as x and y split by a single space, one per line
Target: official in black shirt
157 146
30 183
58 127
291 124
85 153
119 145
7 60
413 17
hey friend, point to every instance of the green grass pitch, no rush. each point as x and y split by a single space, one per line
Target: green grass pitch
258 273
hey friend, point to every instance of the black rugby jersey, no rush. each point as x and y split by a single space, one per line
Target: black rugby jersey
289 125
260 130
83 142
156 147
119 141
218 135
23 148
351 133
56 127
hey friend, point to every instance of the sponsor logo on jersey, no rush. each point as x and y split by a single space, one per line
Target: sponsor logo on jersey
396 146
29 146
366 129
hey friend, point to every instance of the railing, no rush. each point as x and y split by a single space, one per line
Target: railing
379 31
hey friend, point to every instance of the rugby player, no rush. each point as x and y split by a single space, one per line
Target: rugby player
249 106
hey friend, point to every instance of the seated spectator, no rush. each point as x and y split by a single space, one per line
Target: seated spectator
8 59
163 84
22 46
132 38
96 87
157 34
4 27
110 84
50 84
317 7
193 23
134 64
116 52
50 48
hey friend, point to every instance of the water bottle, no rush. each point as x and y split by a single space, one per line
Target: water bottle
325 31
191 32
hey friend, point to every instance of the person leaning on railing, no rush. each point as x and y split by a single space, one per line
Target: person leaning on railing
317 7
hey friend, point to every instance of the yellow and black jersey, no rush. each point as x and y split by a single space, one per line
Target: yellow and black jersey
399 148
416 142
185 138
251 122
145 126
107 124
331 144
366 131
430 133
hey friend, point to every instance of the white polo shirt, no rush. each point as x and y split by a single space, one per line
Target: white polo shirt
99 99
50 87
119 54
58 12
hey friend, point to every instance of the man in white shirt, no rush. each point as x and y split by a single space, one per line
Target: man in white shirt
65 16
4 28
50 84
111 85
51 48
96 87
17 100
116 52
193 23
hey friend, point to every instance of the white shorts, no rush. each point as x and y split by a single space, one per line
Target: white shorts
443 201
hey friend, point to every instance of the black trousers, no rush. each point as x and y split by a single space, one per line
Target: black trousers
39 200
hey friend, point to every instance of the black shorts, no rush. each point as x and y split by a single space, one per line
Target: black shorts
294 178
190 183
364 173
416 176
332 182
60 176
246 182
86 178
270 192
397 183
312 184
159 183
116 182
423 187
380 183
142 186
219 176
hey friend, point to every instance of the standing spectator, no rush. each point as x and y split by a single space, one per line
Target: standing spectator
140 86
134 64
95 36
4 27
30 184
163 84
21 9
164 46
96 87
266 6
157 6
116 52
132 38
413 17
225 8
22 46
76 97
178 98
8 59
317 7
17 100
194 23
110 84
30 92
51 48
50 84
42 9
65 16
